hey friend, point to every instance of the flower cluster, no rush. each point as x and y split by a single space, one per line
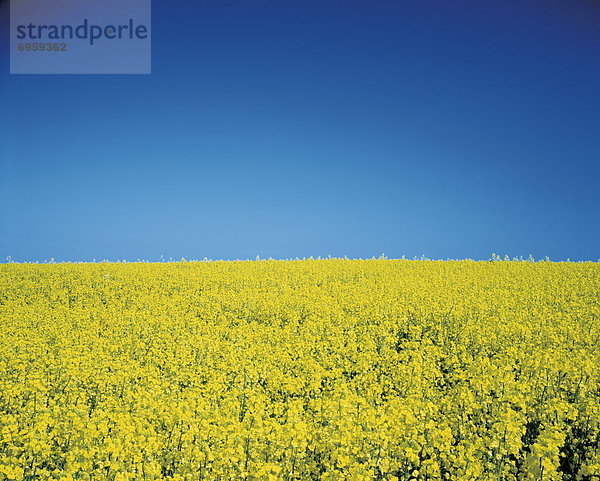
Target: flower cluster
293 370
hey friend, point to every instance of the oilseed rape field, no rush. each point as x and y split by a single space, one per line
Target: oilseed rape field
300 370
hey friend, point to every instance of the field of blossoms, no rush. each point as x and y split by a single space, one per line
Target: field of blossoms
300 370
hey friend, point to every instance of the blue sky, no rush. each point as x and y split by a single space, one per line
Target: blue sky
343 128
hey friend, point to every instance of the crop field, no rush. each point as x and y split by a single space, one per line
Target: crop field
300 370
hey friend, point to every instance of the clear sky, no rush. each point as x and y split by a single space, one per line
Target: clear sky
344 128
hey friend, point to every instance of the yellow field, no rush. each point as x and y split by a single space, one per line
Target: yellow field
331 369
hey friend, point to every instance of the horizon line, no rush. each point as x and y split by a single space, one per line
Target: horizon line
258 258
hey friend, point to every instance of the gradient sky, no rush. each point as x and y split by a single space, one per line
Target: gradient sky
344 128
